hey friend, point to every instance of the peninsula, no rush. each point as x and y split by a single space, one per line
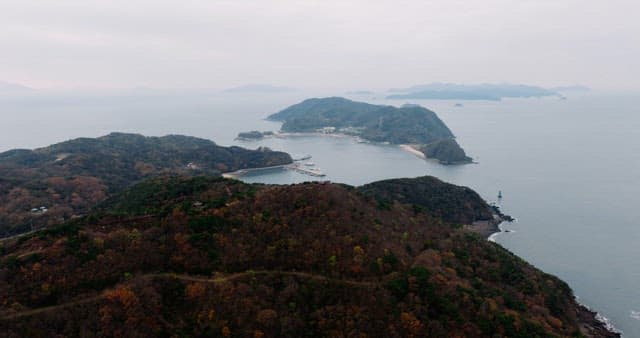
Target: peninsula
44 186
408 125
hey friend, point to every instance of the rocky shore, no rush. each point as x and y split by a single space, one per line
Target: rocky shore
486 228
591 326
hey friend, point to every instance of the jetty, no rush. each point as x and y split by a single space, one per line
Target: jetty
305 170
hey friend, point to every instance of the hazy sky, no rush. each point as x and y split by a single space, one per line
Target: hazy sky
342 44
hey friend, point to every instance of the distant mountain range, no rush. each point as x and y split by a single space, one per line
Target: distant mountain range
258 88
13 88
451 91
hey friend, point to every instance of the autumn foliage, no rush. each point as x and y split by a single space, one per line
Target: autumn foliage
207 257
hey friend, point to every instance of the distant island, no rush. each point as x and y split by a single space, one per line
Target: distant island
43 186
253 135
410 124
450 91
203 256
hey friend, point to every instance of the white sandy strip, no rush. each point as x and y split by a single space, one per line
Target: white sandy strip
412 149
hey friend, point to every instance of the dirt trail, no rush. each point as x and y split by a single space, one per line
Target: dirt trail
189 278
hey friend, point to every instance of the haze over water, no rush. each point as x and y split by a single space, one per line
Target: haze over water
569 170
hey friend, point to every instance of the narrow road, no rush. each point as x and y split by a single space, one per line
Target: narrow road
189 278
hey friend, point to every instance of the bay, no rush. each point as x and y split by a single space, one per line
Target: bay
569 170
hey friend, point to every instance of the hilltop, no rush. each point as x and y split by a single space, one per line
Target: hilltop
409 124
68 178
203 256
451 203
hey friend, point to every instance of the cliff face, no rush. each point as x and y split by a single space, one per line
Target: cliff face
69 177
211 257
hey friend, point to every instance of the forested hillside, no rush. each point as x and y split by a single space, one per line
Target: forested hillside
49 185
202 256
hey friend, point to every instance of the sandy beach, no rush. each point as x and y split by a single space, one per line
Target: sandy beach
412 149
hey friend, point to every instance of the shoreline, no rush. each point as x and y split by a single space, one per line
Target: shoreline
488 228
411 148
591 323
242 172
318 134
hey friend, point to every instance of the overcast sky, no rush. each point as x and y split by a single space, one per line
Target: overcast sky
342 44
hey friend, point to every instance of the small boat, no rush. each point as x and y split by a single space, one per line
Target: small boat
310 164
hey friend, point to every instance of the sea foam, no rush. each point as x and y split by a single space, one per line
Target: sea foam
602 319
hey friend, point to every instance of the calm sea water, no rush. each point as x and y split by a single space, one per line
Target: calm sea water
569 170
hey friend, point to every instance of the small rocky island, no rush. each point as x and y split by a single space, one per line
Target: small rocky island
253 135
411 125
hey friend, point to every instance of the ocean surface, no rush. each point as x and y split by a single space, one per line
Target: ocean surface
569 170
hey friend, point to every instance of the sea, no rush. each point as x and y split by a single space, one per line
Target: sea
568 169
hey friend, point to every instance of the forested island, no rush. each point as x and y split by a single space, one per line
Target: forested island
410 124
43 186
206 257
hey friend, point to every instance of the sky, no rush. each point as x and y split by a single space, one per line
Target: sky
369 44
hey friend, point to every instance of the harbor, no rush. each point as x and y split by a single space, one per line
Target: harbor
298 165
